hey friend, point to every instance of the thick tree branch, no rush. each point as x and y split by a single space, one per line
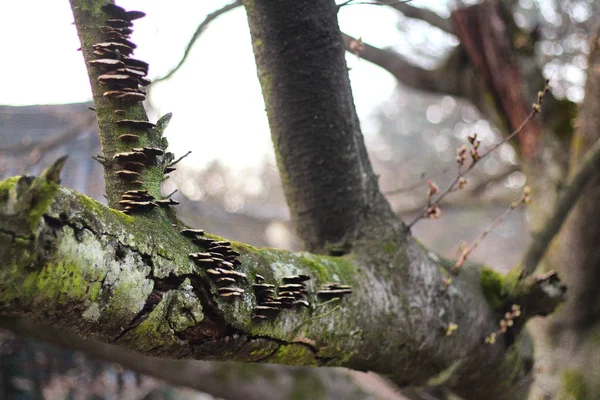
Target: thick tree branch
330 188
442 80
89 269
117 100
422 14
199 30
568 198
226 380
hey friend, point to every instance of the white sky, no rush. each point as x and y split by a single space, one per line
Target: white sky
215 97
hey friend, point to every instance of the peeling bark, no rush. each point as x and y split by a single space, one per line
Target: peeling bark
92 272
130 281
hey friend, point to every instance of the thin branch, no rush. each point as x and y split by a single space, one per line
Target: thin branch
422 14
199 30
444 80
179 159
476 157
570 195
524 199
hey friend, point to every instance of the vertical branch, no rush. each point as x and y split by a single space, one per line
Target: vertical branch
328 181
116 79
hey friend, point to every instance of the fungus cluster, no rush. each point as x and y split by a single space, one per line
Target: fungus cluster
331 290
124 76
219 261
291 293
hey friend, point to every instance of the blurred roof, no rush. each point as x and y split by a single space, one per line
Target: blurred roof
32 137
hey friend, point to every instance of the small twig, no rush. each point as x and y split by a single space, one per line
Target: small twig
524 199
199 30
476 157
328 302
179 159
171 194
568 198
372 3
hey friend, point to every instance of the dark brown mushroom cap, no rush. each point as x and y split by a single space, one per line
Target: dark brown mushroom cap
128 174
167 202
225 279
230 294
131 96
136 124
200 255
192 232
228 289
130 156
134 203
114 10
144 81
123 48
155 151
128 137
259 278
292 286
130 71
302 303
107 29
296 278
113 77
134 63
118 23
133 15
108 62
261 286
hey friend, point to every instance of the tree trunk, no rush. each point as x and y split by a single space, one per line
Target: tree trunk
140 282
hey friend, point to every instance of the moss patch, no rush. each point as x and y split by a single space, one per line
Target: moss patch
498 288
574 387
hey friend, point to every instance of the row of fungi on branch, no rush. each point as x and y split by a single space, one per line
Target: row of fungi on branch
219 261
123 76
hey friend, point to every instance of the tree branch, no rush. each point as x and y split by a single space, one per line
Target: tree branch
330 187
567 200
88 270
227 380
444 80
199 30
422 14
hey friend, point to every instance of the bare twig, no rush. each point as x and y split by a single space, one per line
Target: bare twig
524 199
179 159
199 30
475 158
422 14
568 198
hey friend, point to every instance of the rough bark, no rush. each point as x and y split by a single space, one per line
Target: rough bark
89 16
329 184
91 270
225 380
573 371
71 263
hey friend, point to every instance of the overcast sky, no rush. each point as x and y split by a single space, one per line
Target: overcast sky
215 97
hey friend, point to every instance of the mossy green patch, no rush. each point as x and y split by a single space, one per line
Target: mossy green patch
293 354
498 288
574 386
6 184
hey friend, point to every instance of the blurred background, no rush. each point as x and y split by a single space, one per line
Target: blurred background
229 184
